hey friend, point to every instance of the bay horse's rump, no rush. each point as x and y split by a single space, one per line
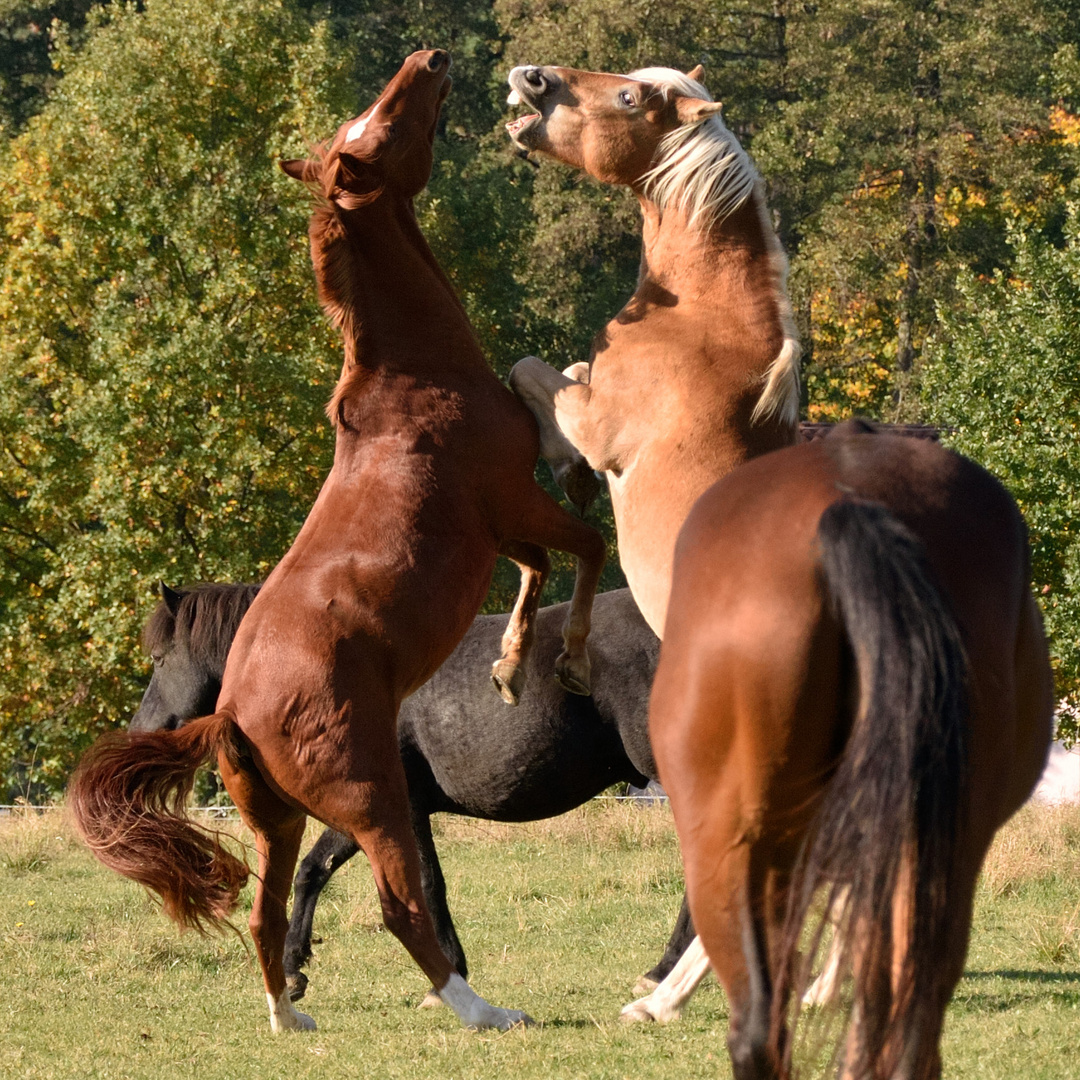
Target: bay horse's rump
849 656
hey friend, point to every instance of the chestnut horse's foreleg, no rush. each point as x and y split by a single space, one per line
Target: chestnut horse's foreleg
508 672
536 384
278 830
543 521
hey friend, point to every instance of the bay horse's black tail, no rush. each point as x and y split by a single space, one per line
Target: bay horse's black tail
127 798
890 818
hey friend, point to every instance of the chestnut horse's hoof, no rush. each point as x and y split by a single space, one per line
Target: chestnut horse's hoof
431 1000
573 675
296 985
509 680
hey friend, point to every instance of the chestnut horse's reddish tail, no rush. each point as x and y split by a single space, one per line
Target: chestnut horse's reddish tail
127 797
888 828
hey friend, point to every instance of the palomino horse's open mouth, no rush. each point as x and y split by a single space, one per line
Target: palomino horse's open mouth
515 127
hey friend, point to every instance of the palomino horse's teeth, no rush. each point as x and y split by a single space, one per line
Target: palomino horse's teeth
514 98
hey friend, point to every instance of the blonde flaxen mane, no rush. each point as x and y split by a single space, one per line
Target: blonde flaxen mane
702 170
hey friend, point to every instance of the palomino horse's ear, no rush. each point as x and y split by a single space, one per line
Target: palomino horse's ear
694 110
171 597
303 169
697 73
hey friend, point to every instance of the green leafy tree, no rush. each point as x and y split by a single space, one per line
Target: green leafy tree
1004 378
163 364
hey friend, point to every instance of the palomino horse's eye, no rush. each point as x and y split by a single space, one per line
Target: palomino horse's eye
626 98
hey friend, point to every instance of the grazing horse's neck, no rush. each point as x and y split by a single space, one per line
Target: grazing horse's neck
381 285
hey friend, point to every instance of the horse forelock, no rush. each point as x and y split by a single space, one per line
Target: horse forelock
699 168
205 623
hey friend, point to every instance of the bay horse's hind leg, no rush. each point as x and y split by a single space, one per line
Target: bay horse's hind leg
732 923
278 830
508 672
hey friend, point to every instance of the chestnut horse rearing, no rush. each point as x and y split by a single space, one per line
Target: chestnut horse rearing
432 478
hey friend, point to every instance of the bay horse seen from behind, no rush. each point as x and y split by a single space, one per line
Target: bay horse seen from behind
853 695
432 478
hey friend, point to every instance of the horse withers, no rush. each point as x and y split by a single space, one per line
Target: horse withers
432 478
460 754
853 695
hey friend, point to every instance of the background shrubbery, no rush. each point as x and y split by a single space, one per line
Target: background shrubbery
163 364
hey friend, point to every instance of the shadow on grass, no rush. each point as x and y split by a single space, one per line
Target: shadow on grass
1061 988
1031 976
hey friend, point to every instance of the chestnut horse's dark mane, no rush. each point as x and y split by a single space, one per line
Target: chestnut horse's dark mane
206 620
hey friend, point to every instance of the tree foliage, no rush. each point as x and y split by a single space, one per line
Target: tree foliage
1004 377
163 364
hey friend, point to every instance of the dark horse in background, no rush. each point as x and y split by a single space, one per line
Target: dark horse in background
433 477
462 755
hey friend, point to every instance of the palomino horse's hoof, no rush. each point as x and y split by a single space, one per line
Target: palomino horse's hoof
579 483
509 680
573 676
296 985
431 1000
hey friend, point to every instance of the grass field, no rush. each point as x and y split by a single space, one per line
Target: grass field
558 918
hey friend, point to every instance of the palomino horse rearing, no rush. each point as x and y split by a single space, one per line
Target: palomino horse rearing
699 371
853 695
432 477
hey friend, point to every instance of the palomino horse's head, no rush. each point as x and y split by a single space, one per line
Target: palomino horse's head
388 148
612 126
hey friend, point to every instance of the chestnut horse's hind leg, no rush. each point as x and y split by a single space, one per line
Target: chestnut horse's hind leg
508 672
278 830
375 811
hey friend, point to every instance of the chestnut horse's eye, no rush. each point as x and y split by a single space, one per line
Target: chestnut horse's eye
392 131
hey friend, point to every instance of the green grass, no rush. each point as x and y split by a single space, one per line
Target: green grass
558 918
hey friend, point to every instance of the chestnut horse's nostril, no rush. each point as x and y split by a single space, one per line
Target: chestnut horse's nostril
437 59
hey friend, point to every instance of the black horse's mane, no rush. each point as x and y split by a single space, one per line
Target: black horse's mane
205 620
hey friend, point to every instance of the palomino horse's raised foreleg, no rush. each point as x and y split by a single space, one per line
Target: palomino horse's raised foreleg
508 672
536 384
279 829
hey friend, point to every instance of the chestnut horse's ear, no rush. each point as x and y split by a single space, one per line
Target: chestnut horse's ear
360 180
697 73
694 110
303 169
171 597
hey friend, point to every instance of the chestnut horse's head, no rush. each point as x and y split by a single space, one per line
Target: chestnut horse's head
388 148
656 130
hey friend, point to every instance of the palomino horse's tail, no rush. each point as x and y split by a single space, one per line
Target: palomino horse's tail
127 797
885 840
